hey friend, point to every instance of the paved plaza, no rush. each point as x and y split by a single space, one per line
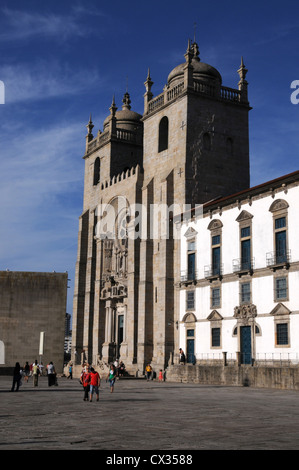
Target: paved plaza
143 415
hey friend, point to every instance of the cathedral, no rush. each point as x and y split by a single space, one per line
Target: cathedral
190 147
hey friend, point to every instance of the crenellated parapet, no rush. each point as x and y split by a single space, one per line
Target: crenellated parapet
124 175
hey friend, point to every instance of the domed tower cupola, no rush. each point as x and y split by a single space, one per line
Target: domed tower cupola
125 117
201 71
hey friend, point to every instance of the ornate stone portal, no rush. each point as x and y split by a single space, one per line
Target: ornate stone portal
245 314
114 289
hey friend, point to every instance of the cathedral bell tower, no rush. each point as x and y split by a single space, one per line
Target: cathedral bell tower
196 149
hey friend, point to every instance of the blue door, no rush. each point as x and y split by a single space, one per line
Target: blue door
216 261
245 254
281 247
246 345
191 267
190 351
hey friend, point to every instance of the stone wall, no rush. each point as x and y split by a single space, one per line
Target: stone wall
31 303
233 375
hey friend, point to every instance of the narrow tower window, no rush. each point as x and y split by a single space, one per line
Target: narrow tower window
207 141
229 146
163 134
96 171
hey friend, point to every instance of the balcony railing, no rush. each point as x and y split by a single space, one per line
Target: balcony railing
189 276
240 265
276 258
213 271
265 359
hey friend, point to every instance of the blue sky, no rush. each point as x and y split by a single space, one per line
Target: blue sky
61 61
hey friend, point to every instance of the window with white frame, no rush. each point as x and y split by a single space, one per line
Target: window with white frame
281 255
282 334
245 292
216 337
215 297
280 288
190 299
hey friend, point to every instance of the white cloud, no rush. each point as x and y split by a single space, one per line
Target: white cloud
44 80
40 164
23 25
41 187
38 172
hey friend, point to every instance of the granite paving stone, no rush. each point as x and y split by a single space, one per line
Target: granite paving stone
143 415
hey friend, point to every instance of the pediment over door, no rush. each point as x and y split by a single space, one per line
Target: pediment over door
280 309
215 316
189 318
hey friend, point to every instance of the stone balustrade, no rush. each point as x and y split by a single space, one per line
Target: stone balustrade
230 94
201 87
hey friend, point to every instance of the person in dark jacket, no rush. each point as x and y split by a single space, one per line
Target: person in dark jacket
16 377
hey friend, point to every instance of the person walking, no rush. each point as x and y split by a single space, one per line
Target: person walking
17 375
41 368
85 381
121 369
111 377
51 374
70 376
35 373
148 370
26 371
160 376
95 383
182 356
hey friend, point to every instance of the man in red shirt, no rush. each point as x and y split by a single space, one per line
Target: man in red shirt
95 382
85 381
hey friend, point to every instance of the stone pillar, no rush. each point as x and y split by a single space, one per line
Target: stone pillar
89 289
109 344
79 290
163 332
132 299
177 290
123 352
224 358
99 309
145 294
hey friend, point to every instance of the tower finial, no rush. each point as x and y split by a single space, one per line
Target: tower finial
189 53
90 126
148 83
243 84
242 70
148 94
89 136
126 101
113 108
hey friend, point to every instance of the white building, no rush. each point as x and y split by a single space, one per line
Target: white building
239 290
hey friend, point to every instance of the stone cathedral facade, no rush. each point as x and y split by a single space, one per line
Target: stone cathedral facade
189 147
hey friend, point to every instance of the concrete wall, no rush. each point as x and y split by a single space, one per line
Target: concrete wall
31 303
